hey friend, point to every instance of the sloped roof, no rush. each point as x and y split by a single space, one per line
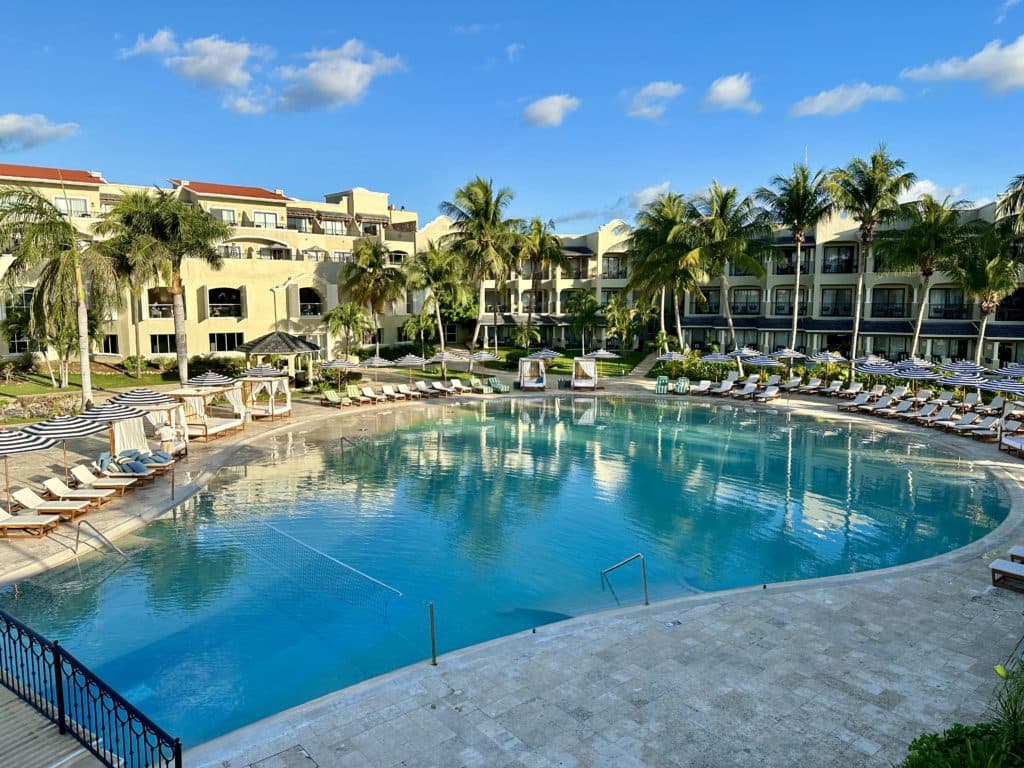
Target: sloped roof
278 343
230 190
41 173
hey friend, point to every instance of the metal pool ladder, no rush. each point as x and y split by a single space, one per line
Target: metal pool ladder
643 571
100 536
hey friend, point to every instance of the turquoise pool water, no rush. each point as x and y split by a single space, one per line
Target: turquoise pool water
280 582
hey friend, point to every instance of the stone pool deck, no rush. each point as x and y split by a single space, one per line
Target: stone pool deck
840 671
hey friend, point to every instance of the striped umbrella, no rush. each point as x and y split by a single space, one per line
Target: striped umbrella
64 428
483 355
669 357
916 372
14 441
875 368
1006 386
915 362
109 412
339 366
716 357
963 366
264 372
410 361
375 362
788 354
745 352
210 379
763 361
444 358
962 380
601 354
869 359
1013 370
142 397
543 354
827 357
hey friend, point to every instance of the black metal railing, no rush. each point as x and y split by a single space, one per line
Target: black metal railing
840 267
948 311
67 693
890 309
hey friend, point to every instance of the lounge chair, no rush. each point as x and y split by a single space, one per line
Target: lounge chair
851 391
877 391
681 386
1006 573
745 392
945 397
945 414
479 387
901 408
899 393
330 397
832 390
375 397
459 387
731 376
1012 444
60 491
971 400
498 385
790 385
423 389
753 378
722 390
409 393
924 410
857 402
26 525
922 396
773 381
879 405
661 385
390 393
87 479
986 422
769 393
996 406
1009 426
951 424
356 396
440 388
701 388
68 510
811 386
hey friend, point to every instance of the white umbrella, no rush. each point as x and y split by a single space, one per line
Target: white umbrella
14 441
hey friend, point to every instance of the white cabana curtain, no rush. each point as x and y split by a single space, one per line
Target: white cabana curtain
234 397
584 370
273 387
174 416
129 434
195 408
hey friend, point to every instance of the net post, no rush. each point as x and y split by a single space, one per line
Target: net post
433 635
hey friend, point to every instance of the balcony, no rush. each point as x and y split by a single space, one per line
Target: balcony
576 274
399 235
225 310
713 308
890 309
789 267
948 312
615 274
1010 313
745 307
841 267
161 311
315 309
786 308
836 310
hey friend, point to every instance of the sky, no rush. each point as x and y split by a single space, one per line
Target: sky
585 111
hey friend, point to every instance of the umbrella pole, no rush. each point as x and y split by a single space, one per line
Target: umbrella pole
65 462
7 480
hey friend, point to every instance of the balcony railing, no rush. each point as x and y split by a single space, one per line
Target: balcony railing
745 307
843 267
160 311
713 308
615 274
948 312
786 308
1013 314
890 309
314 309
789 267
225 310
837 310
575 274
399 235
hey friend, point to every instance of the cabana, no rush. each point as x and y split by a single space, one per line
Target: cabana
283 345
127 430
160 409
273 382
531 374
584 373
200 421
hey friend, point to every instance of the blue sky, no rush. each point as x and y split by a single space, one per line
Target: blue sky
585 111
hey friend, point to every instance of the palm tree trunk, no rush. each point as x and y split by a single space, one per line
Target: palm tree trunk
180 339
83 337
376 332
479 316
661 318
981 338
858 301
679 320
440 336
796 298
920 315
723 283
137 311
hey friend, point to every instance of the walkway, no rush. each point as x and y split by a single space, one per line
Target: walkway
30 740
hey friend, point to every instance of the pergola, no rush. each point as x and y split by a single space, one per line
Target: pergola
284 345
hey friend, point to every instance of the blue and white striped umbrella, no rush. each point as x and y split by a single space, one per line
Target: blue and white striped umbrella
875 368
864 359
745 352
483 355
14 441
410 361
375 362
542 354
671 357
716 357
788 354
762 361
603 354
918 373
827 358
66 427
963 366
264 372
210 379
111 412
962 380
141 396
1013 370
915 362
1006 386
339 365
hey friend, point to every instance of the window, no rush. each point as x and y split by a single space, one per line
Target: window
342 257
225 342
370 229
332 227
450 332
17 344
614 268
746 301
162 344
20 303
737 271
946 304
78 206
837 302
110 345
784 301
160 303
230 251
1012 307
298 223
275 254
225 302
891 347
607 295
787 264
314 254
310 303
264 219
746 337
395 258
714 304
838 260
227 215
889 302
956 349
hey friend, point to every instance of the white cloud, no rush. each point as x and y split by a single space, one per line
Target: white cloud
247 103
621 208
651 101
160 44
732 92
844 98
551 110
334 77
1001 67
1004 8
27 131
216 62
473 29
512 51
923 187
647 195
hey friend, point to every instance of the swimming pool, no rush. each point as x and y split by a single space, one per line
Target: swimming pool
308 566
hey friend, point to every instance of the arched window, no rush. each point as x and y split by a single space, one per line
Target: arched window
310 302
225 302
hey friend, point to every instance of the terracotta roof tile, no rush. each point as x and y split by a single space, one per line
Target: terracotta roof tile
208 188
50 174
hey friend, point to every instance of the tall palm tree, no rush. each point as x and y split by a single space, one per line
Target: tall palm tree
1011 206
540 247
441 272
584 315
369 279
798 202
988 272
482 236
132 229
619 318
40 235
869 190
729 230
349 320
661 256
935 237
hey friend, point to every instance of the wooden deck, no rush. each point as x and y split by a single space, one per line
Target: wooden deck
29 740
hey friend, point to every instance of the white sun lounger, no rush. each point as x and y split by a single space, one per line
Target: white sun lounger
831 389
27 525
390 393
723 389
895 411
442 389
1006 573
811 386
792 384
68 510
87 479
700 388
880 405
746 392
857 402
770 393
412 395
57 488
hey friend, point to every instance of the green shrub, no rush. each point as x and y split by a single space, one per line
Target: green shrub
25 362
228 366
512 359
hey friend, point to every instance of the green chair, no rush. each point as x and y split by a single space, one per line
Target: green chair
479 386
496 384
682 385
357 398
330 397
661 385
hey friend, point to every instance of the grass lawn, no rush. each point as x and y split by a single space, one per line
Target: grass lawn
39 384
562 366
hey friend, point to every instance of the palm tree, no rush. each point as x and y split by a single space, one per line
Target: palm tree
797 202
348 320
522 335
42 237
584 315
988 272
441 272
661 256
619 317
369 279
936 236
1011 206
729 231
869 190
421 326
541 248
132 230
482 236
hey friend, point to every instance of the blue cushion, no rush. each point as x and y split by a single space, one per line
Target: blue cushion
146 459
131 453
136 466
104 462
163 456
